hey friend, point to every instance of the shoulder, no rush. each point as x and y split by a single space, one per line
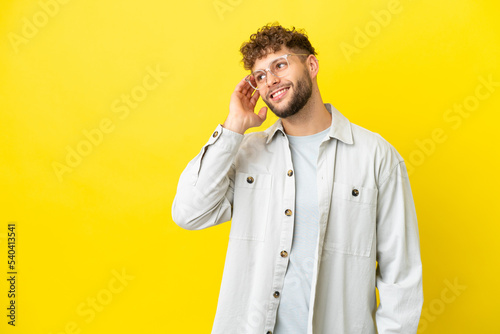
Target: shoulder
382 153
373 140
264 137
253 149
256 137
254 140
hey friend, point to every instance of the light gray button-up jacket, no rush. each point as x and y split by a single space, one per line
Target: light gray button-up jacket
367 215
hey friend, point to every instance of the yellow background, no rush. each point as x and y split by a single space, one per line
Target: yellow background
111 213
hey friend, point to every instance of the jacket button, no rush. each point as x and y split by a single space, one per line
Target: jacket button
276 294
290 172
288 212
250 179
355 192
216 133
284 253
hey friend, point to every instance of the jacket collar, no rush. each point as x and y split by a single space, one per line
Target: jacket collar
340 128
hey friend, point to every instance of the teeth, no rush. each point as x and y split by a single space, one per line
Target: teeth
279 92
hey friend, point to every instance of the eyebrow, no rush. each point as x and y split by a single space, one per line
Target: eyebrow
262 69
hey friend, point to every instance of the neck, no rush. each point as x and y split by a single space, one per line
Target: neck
311 119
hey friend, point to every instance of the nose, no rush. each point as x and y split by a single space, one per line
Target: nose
271 77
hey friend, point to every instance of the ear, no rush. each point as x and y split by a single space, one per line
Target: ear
312 66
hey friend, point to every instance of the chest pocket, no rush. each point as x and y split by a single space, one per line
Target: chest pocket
250 206
352 222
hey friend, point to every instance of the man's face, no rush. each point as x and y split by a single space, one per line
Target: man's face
285 95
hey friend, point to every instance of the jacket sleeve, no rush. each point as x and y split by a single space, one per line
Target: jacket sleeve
206 186
399 272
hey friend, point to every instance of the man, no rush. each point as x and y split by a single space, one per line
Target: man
315 203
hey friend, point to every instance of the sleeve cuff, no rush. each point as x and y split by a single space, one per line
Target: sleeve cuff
225 139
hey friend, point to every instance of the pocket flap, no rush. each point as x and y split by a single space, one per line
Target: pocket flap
252 180
356 194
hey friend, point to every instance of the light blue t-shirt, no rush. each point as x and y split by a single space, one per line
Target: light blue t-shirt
293 309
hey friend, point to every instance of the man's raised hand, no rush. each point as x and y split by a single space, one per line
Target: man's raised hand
242 114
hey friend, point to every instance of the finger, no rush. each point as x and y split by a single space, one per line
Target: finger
255 97
262 113
250 92
242 86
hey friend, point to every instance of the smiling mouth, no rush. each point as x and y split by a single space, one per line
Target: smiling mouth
277 95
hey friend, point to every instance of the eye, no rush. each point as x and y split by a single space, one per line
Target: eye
280 65
260 77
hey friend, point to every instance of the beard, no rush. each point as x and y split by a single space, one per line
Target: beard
302 94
